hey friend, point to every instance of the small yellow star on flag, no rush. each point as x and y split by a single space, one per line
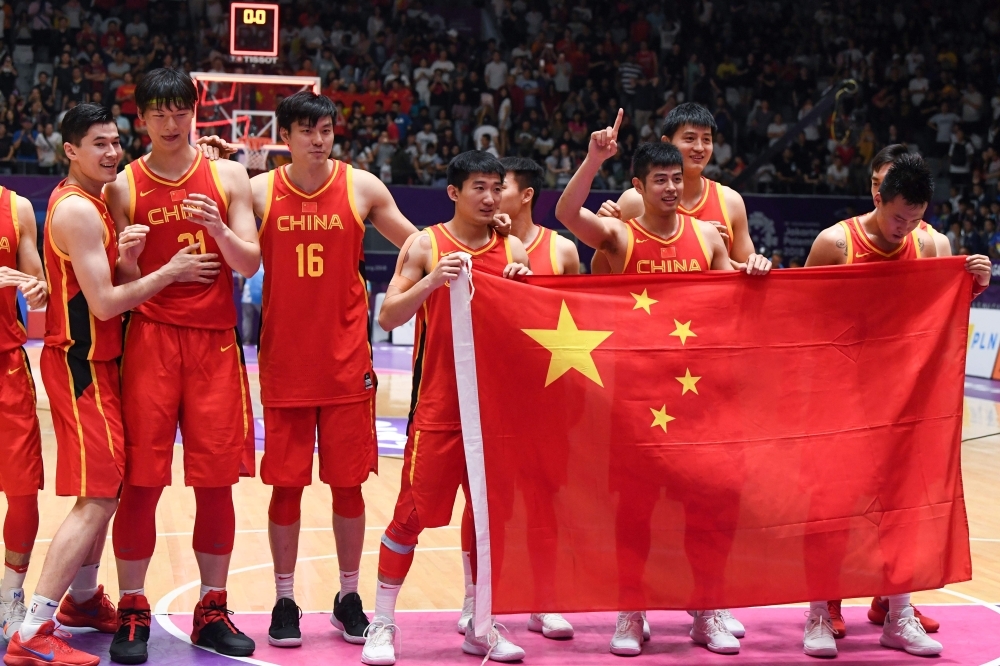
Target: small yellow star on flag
661 418
570 347
643 301
688 382
683 331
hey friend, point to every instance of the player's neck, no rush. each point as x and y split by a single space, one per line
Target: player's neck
693 186
869 224
171 164
92 187
468 232
524 227
663 226
309 177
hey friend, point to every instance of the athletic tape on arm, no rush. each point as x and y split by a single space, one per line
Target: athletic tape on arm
472 436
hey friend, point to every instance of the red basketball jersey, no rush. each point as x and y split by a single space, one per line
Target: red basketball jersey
684 252
69 323
434 403
542 253
314 322
12 333
157 203
860 250
711 207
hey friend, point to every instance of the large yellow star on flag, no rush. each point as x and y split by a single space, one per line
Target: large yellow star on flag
643 301
688 382
570 347
683 331
661 418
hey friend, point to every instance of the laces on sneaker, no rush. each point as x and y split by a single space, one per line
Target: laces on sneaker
625 620
133 618
384 633
493 639
814 620
214 613
910 625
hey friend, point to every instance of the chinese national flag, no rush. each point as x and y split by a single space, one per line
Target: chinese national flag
715 440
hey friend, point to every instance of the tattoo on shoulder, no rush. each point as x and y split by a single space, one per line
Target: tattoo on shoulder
842 244
920 244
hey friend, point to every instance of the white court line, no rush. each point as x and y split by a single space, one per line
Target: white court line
160 610
978 602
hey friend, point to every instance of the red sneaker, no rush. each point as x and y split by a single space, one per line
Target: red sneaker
880 608
96 613
46 648
836 618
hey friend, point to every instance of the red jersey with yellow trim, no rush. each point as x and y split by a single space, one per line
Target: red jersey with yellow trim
69 323
684 252
314 319
711 207
860 250
542 253
157 203
12 333
434 403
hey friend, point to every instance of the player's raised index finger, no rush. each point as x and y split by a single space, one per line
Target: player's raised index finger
618 122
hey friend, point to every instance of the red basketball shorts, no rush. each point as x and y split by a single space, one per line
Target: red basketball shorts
348 448
433 471
85 399
193 377
20 438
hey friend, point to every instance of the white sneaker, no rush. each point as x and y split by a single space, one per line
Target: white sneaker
380 642
645 628
734 626
627 640
467 606
550 625
908 634
708 629
818 639
493 646
12 613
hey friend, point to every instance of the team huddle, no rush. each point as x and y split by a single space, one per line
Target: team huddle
141 339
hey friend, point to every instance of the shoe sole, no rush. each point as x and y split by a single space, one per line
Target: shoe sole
481 652
926 652
555 634
284 642
378 662
353 640
136 659
626 652
823 653
246 652
717 649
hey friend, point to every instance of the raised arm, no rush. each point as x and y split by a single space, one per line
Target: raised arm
237 240
77 231
600 233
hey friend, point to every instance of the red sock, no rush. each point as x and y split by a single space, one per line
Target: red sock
134 532
20 526
214 521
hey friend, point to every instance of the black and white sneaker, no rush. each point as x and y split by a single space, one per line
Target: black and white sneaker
350 618
284 630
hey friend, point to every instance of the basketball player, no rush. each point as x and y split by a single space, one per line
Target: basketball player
83 258
880 605
315 363
428 261
888 233
691 127
20 438
550 254
183 363
660 240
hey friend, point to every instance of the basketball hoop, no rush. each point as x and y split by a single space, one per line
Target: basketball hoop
256 152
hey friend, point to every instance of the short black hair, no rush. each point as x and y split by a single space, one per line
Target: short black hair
306 108
888 155
527 173
910 178
78 121
473 161
165 87
688 113
651 154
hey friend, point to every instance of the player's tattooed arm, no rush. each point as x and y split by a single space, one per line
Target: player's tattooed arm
926 244
829 249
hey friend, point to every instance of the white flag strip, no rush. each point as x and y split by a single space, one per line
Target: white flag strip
472 436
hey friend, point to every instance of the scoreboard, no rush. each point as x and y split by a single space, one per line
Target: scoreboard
253 31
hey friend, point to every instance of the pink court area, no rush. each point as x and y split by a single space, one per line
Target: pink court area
970 633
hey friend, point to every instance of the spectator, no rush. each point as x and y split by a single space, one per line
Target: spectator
48 147
960 153
6 151
776 129
942 123
836 176
486 144
495 73
559 167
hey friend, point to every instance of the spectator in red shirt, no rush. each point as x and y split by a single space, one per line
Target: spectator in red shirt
114 39
648 60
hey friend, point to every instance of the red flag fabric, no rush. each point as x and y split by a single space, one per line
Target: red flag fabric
714 440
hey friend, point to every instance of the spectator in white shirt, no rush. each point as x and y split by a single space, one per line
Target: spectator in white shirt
972 105
137 28
836 176
942 123
495 72
919 86
445 66
776 129
722 152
